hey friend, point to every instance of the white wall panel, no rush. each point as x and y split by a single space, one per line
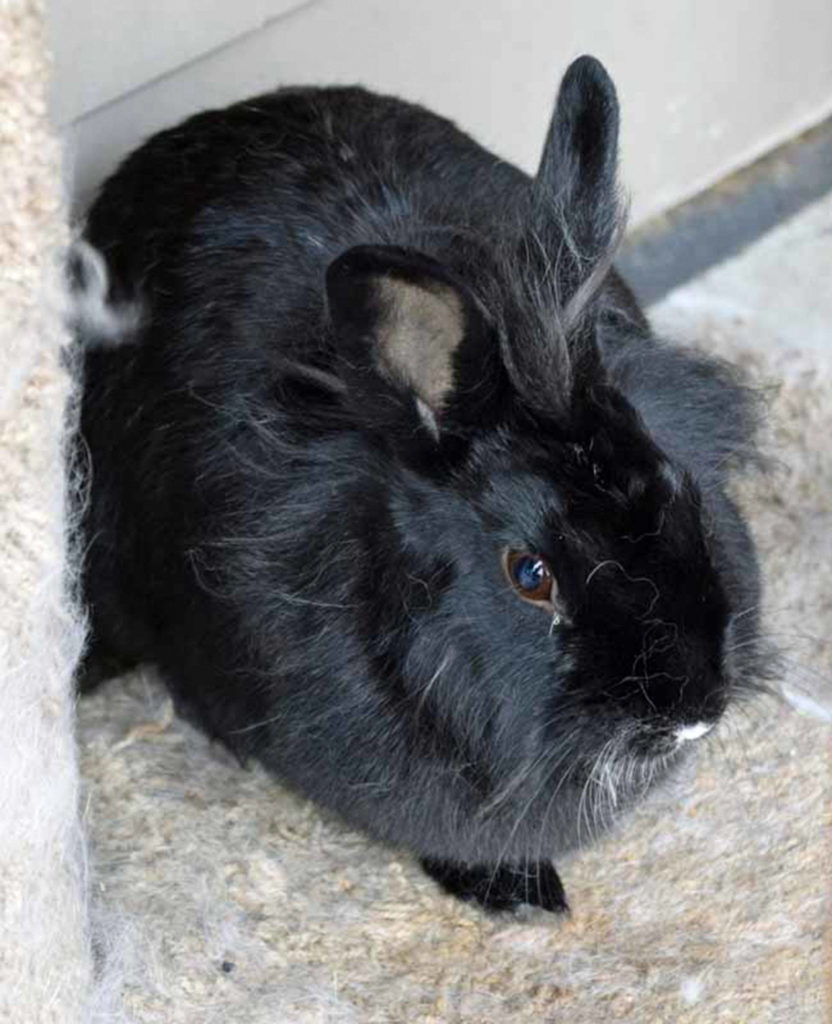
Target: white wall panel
104 50
706 85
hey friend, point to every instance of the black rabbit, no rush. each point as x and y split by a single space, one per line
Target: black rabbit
391 480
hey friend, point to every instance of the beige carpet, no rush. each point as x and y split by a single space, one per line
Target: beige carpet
44 962
218 898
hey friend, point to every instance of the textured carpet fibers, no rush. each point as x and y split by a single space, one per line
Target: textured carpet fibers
44 962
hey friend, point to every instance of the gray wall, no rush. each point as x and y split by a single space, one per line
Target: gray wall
706 85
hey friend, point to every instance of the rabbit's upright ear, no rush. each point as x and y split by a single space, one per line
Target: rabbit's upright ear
577 173
401 320
575 222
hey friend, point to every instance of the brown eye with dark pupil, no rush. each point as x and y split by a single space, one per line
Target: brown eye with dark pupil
530 576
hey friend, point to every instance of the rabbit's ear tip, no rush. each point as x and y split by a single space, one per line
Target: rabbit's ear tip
588 66
581 150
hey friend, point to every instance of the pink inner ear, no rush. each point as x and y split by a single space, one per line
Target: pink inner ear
419 330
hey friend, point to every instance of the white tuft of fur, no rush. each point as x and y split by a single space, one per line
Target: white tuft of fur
92 313
686 733
428 418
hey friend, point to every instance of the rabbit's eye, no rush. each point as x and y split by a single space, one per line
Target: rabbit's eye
530 576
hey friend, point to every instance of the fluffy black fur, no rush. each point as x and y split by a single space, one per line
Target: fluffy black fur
370 358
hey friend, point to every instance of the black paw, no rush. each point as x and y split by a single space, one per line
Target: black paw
506 887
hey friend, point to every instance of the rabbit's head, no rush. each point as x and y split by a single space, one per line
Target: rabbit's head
550 590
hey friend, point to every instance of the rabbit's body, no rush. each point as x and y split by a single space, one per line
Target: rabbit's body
373 361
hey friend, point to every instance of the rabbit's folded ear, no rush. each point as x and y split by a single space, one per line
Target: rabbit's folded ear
400 319
577 173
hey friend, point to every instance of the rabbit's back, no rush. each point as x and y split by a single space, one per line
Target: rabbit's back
300 174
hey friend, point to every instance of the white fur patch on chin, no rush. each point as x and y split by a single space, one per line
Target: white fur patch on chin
692 732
